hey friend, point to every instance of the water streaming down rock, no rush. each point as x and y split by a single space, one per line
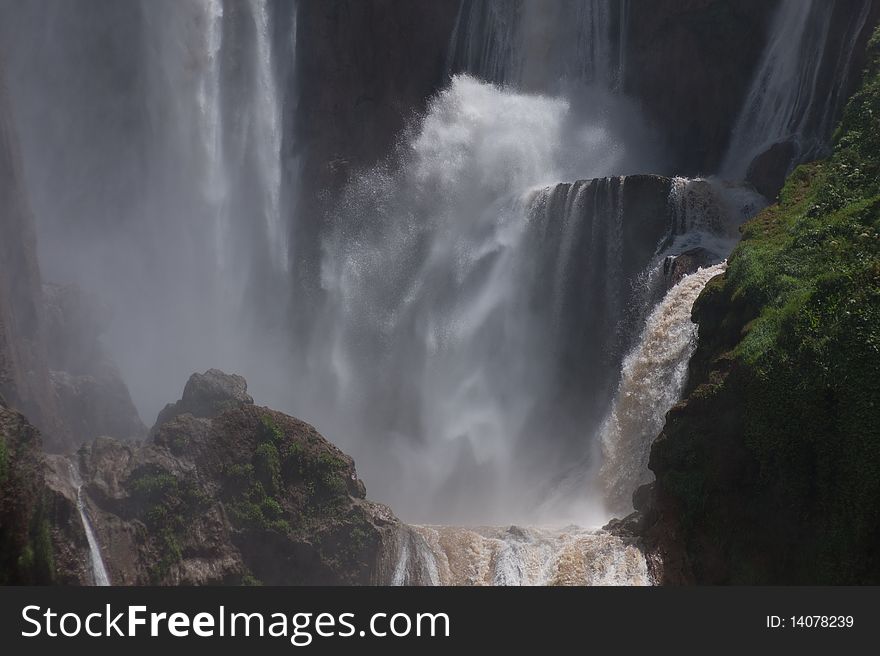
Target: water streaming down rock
96 560
706 215
449 555
542 45
701 228
653 377
799 86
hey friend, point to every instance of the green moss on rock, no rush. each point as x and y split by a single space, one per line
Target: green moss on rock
773 463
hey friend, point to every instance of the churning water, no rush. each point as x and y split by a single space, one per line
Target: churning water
449 555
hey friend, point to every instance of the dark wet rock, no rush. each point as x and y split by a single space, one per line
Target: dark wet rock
26 553
676 267
24 372
690 64
768 171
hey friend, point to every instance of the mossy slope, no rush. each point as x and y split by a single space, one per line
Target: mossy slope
771 466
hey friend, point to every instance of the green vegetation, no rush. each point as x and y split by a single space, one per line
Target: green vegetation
286 484
795 323
167 504
249 580
253 488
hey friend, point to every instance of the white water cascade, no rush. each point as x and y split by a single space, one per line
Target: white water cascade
433 277
542 46
786 101
654 373
449 555
96 561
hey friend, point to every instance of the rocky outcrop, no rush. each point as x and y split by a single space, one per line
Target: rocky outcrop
768 171
225 492
676 267
205 396
26 553
769 470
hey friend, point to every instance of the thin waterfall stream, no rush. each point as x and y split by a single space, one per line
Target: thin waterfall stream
96 560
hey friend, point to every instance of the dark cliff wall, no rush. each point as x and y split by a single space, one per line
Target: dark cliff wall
52 366
769 470
26 552
24 373
363 70
690 64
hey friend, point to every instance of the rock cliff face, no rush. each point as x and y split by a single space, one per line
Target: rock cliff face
52 365
769 470
26 554
224 492
690 63
90 395
24 372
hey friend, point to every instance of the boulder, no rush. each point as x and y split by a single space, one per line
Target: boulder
768 171
676 267
205 396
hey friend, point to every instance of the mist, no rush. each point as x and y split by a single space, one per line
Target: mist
152 137
483 288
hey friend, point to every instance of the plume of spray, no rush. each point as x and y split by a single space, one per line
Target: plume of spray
430 359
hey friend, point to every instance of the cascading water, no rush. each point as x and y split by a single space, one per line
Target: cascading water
96 561
448 555
702 222
434 279
540 46
495 329
653 377
787 101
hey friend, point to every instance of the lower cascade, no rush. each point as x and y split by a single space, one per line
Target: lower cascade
451 555
96 561
653 376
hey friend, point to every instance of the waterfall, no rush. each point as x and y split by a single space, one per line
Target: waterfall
542 45
787 101
268 133
702 222
472 286
449 555
654 373
215 63
96 561
705 216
